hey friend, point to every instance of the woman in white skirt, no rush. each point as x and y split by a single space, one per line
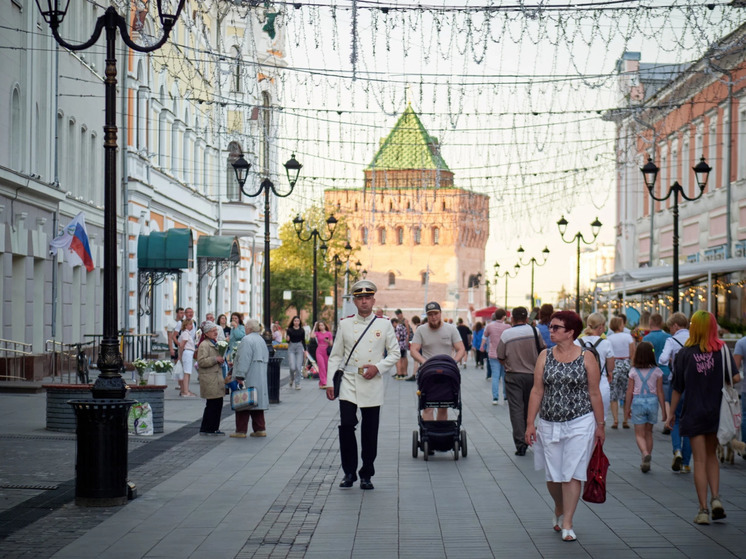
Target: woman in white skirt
567 398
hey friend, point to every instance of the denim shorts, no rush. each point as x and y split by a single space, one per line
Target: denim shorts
644 410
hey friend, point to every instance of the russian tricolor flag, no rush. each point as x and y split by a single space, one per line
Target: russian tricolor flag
74 240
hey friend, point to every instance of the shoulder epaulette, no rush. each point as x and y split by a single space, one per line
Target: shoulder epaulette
384 316
347 317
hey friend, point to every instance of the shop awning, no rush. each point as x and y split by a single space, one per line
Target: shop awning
218 248
165 251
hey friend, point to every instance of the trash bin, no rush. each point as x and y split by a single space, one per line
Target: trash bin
273 379
101 452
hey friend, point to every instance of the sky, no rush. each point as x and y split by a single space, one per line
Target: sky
514 93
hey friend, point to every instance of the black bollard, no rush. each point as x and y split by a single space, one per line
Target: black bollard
273 379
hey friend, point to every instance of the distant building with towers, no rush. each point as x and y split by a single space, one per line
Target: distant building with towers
420 237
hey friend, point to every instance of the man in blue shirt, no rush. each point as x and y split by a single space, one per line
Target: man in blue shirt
658 338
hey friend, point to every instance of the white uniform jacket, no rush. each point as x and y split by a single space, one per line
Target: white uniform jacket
379 338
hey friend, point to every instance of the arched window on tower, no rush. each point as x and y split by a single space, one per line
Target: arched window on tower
417 235
382 236
436 236
392 279
399 235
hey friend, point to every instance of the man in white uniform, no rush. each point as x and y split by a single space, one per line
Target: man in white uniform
362 384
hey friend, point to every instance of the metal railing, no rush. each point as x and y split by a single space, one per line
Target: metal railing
13 359
132 346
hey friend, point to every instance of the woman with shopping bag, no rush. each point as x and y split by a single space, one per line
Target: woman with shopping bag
250 369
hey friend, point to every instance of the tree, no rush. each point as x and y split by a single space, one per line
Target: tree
291 266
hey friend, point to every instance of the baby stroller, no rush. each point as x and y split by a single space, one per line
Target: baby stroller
310 367
439 386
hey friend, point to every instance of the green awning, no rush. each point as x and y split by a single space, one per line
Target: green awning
170 250
218 248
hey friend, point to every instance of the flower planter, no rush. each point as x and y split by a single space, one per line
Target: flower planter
158 379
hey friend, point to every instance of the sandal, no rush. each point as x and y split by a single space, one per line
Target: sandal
568 535
625 425
557 523
615 426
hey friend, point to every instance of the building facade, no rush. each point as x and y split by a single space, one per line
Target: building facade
420 237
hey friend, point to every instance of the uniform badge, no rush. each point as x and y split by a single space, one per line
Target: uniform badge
378 333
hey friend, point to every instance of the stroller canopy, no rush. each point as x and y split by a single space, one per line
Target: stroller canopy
439 380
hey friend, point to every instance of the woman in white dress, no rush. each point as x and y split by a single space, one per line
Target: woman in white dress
567 398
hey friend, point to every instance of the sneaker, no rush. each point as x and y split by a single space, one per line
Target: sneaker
703 517
718 512
686 469
297 386
238 435
645 466
495 402
677 460
411 378
258 434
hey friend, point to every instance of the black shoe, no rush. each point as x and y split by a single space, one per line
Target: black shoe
348 481
365 483
666 431
520 452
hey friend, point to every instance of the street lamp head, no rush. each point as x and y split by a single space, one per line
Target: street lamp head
298 223
596 227
55 13
168 19
650 173
545 252
365 274
331 223
702 173
292 168
562 225
241 167
520 250
358 265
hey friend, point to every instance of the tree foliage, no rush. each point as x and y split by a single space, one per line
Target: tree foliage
291 265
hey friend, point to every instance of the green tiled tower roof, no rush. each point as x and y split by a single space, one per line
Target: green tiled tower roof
409 146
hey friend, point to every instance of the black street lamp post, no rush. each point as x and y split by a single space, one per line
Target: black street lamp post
316 235
507 275
337 262
533 262
292 169
595 229
109 383
650 173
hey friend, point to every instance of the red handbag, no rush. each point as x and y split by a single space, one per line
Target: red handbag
595 485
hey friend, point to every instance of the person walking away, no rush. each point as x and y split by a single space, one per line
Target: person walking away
477 342
186 356
622 347
365 348
518 351
237 333
545 314
250 369
698 371
466 336
678 324
592 337
402 337
296 336
738 353
324 341
566 397
490 339
211 381
436 338
415 323
658 337
644 395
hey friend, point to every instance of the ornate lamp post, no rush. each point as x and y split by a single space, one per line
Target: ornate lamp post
337 262
533 262
109 383
650 173
292 169
595 229
316 235
507 275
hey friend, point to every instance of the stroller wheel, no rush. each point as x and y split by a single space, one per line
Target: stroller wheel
463 443
426 450
415 444
455 449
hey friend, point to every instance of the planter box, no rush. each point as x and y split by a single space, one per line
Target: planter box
61 416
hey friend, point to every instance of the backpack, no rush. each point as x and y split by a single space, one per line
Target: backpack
592 348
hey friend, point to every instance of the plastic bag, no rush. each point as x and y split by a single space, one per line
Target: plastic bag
140 419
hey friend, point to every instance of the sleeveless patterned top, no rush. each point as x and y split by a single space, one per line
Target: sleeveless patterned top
566 393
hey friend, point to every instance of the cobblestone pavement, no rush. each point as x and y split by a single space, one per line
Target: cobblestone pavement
278 496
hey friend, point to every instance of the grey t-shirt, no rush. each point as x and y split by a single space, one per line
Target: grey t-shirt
436 342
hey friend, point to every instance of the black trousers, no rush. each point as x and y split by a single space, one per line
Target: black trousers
211 415
368 438
518 388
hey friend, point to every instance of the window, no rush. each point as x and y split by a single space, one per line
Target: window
364 235
423 277
382 235
417 235
444 205
355 206
392 279
234 152
436 236
399 235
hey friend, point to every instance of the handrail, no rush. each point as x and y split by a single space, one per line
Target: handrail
13 359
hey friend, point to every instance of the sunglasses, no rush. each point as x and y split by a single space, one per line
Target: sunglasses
555 327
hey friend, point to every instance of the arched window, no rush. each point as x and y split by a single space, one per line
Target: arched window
364 235
409 205
436 236
392 279
444 205
232 189
417 235
266 128
382 235
399 235
391 206
355 206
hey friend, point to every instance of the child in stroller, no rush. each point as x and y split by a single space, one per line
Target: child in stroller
439 386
